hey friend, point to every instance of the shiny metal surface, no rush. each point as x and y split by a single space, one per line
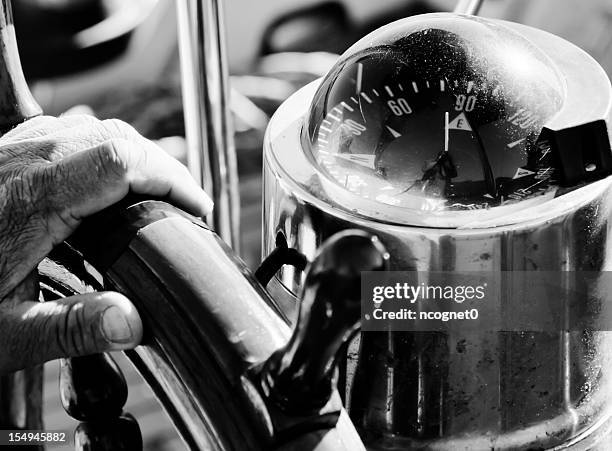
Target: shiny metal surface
479 391
210 331
211 153
504 390
468 7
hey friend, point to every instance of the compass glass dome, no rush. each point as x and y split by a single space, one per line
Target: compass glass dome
438 112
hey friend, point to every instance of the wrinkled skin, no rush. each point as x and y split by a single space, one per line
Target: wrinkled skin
53 173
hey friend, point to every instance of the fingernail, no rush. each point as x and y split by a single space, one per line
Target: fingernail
115 327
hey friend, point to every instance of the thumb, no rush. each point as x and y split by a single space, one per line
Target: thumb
33 332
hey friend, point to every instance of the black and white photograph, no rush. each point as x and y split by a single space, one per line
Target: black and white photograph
305 225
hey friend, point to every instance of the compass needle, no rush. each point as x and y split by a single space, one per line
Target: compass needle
446 132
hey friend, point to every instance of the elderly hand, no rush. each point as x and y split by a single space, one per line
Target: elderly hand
53 173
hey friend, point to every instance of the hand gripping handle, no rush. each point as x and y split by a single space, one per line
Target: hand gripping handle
213 334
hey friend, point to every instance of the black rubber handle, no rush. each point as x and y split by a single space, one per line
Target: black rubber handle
301 376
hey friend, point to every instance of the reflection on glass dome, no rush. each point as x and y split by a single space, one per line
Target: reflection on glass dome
437 113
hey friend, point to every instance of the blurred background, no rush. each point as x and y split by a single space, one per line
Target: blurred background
119 58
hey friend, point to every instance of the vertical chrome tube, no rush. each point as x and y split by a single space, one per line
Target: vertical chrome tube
211 155
468 7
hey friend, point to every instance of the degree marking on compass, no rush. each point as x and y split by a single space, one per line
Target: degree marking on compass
515 143
535 184
546 152
401 87
326 122
347 106
415 87
362 159
325 128
470 86
442 85
365 96
543 173
336 118
376 92
388 89
427 83
393 132
359 77
355 100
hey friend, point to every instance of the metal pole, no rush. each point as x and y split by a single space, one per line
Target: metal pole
211 155
471 7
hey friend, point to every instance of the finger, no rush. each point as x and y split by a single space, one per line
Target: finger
24 129
67 138
87 132
102 175
48 138
33 332
42 126
66 135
